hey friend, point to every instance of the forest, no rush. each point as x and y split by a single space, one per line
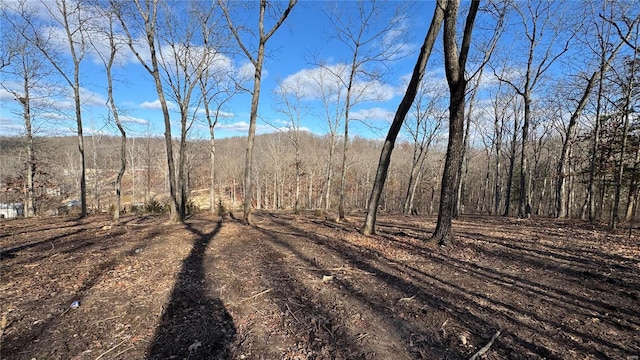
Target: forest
547 128
298 180
545 123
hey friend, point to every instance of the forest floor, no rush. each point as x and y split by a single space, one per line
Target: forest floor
303 287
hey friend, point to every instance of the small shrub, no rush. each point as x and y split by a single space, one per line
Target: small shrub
192 208
136 209
154 207
222 210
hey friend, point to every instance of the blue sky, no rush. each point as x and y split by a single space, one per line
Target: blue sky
303 40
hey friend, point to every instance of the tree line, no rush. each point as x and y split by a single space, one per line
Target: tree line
539 112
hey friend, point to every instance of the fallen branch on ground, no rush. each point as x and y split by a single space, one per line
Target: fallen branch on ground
485 348
407 298
110 350
251 297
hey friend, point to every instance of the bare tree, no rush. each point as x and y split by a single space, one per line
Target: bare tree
369 53
627 79
423 127
455 65
183 63
217 88
29 67
606 53
618 17
498 11
143 15
289 103
108 33
542 26
501 104
404 107
326 85
71 17
257 60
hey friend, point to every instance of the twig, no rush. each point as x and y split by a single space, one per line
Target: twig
485 348
292 314
341 268
123 351
110 350
251 297
442 329
407 298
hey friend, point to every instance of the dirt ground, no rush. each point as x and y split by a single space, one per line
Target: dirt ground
303 287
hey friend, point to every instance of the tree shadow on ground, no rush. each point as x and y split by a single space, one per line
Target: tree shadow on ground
31 338
194 325
478 310
419 341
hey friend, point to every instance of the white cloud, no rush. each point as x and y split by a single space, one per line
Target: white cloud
133 120
246 71
240 126
155 105
316 82
375 114
393 41
6 96
329 82
373 90
91 98
54 116
222 114
243 127
10 126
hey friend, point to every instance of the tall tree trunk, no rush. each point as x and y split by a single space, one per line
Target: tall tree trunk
25 101
78 105
455 70
182 158
404 107
345 144
524 203
498 166
83 169
595 144
460 182
486 186
413 175
329 178
148 12
212 165
258 63
412 197
255 98
310 191
633 186
296 206
123 136
512 161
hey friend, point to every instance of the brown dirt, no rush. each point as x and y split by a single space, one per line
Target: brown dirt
302 287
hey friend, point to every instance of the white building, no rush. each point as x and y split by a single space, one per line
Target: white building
11 210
